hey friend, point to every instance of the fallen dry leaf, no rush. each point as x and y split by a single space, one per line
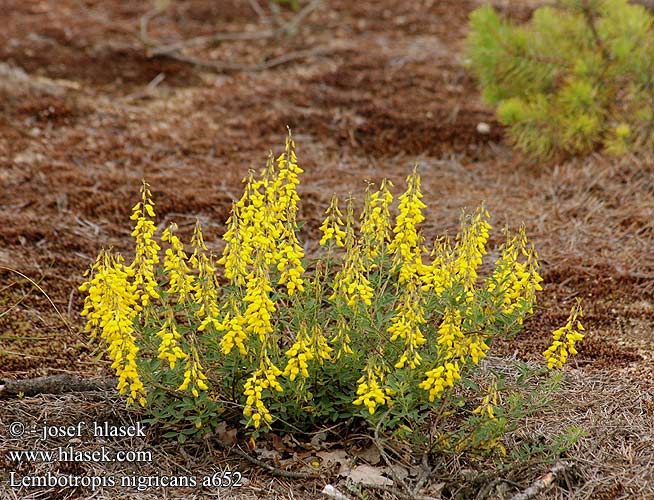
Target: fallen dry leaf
336 457
368 475
370 455
226 435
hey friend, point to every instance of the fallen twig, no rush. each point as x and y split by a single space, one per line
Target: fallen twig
541 483
173 50
210 39
251 68
146 19
54 384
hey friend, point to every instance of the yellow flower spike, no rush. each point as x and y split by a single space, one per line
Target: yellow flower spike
237 253
319 345
205 293
351 283
370 391
439 378
406 324
565 338
406 244
180 279
111 307
260 307
194 377
471 246
146 249
235 335
265 377
298 355
350 238
289 261
439 275
342 339
332 225
169 338
515 279
450 335
289 171
489 403
375 220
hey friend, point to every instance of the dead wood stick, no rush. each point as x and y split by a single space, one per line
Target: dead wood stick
54 384
541 483
144 23
172 51
250 68
291 27
211 39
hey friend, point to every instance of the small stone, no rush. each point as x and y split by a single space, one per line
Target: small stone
483 128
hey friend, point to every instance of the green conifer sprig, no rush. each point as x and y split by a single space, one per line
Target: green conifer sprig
579 76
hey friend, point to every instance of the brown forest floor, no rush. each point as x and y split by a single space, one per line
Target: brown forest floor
80 126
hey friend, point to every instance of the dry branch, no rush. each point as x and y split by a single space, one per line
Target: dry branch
173 50
542 483
199 41
250 68
54 384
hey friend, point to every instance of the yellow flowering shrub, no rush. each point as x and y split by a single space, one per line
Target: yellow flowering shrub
379 320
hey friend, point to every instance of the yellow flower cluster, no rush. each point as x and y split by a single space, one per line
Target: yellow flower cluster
457 347
194 376
236 254
180 279
439 275
489 403
290 255
375 220
248 230
169 348
235 336
111 307
281 192
205 291
452 341
565 338
351 283
439 378
407 242
146 249
370 390
263 222
299 355
342 339
332 226
260 308
287 181
265 377
516 282
471 246
306 348
406 324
